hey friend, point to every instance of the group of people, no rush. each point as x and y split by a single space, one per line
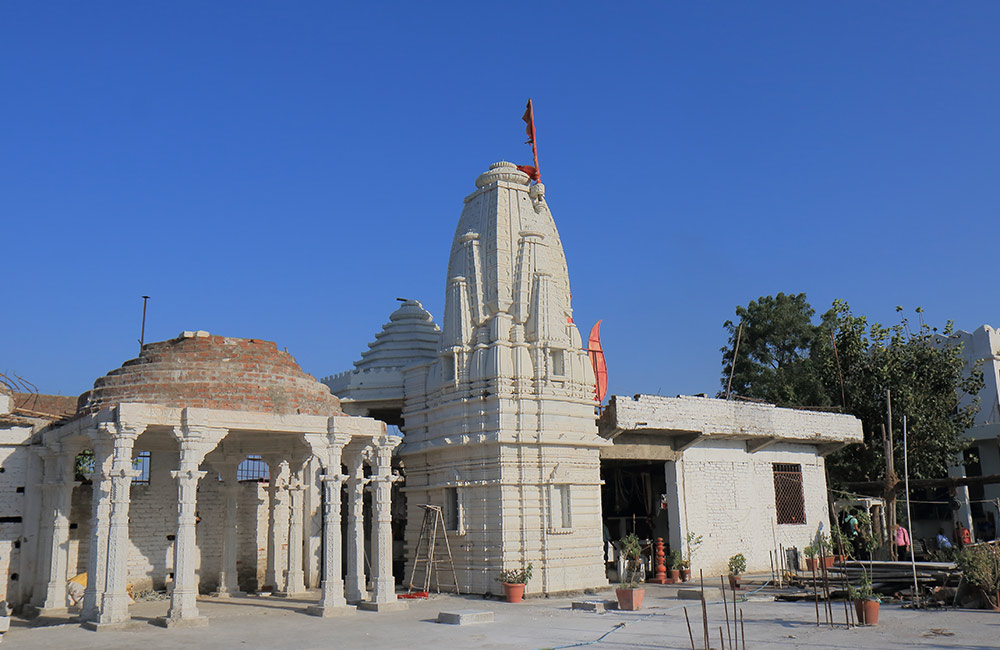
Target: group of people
900 537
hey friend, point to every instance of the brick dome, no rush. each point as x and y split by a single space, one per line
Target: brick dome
216 372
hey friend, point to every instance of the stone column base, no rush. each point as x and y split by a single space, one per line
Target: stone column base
330 612
290 594
194 621
394 606
112 627
48 611
228 594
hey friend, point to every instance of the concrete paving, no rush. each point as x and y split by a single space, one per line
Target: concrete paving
534 623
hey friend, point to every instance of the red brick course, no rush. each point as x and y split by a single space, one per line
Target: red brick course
213 372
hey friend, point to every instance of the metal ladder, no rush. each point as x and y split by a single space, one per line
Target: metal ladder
425 551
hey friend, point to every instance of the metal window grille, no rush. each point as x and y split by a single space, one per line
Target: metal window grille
253 469
789 500
141 464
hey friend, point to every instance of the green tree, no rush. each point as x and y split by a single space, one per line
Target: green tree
792 362
776 336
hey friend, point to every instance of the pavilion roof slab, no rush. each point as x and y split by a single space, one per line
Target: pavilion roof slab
684 421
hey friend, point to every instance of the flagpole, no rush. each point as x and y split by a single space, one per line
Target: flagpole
534 144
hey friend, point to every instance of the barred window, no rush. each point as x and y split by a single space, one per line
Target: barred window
789 501
252 469
141 464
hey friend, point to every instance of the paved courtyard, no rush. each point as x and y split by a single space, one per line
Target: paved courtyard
535 623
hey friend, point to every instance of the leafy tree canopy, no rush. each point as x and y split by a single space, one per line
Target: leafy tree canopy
787 359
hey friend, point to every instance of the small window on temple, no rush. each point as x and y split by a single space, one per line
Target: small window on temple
141 464
789 501
253 468
561 511
558 362
450 509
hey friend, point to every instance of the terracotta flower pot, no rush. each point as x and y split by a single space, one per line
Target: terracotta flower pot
514 591
810 564
828 561
675 575
734 582
630 599
685 575
867 611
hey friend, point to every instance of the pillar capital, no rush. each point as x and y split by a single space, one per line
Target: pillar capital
188 474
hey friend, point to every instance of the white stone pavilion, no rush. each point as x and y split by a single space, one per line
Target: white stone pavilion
194 408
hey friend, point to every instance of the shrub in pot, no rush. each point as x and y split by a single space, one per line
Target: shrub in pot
866 601
630 591
675 565
514 581
810 553
980 566
737 565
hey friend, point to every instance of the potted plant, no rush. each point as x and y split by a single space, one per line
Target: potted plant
980 566
675 565
630 591
685 570
866 601
737 565
825 549
691 543
810 553
513 582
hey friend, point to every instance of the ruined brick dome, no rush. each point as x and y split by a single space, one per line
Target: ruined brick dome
203 371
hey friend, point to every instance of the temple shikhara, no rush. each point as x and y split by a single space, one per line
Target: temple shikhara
214 467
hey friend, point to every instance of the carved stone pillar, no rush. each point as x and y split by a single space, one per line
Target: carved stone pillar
384 593
114 600
195 443
332 601
59 492
45 525
100 520
228 579
295 575
356 585
277 526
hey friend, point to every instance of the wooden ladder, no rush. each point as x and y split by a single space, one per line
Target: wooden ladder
427 546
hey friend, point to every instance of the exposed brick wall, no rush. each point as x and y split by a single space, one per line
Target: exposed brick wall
213 372
153 517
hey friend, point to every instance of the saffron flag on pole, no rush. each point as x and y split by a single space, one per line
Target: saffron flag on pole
529 120
596 353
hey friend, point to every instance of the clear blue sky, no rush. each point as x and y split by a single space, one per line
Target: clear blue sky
285 170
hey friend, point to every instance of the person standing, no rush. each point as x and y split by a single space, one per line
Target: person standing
901 537
963 536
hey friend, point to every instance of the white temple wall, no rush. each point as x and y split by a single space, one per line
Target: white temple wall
17 511
728 497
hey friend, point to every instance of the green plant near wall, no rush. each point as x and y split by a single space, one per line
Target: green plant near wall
631 550
980 566
737 564
516 576
691 543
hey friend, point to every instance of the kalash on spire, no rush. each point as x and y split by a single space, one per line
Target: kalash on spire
499 426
